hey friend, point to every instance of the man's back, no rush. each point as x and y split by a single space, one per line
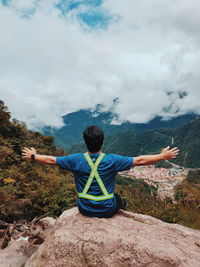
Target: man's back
107 169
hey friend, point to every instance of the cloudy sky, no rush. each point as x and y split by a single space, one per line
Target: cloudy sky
59 56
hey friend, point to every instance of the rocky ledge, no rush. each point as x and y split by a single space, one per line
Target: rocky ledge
126 239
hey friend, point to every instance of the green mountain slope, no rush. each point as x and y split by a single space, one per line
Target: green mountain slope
187 138
76 122
132 143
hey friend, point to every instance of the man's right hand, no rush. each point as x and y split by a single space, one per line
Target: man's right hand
166 153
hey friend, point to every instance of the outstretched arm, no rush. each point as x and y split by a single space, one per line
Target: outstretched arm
26 153
166 153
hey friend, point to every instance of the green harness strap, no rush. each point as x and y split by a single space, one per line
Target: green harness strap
94 174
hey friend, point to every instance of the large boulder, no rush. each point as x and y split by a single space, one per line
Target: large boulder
126 239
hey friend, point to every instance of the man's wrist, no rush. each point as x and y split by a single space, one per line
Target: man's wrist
162 156
33 156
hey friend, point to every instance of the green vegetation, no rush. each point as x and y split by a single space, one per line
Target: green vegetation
27 188
128 143
193 176
187 138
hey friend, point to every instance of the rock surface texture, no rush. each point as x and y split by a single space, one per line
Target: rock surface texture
16 254
23 244
126 239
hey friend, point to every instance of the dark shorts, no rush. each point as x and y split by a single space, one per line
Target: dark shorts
119 202
107 215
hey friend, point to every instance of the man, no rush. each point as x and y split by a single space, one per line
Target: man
95 172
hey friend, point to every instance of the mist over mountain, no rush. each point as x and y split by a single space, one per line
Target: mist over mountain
76 122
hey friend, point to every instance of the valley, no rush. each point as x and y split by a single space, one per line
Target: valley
164 179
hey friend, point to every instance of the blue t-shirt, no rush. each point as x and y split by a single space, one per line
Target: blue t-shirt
107 169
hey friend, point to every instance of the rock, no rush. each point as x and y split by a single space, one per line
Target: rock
25 242
126 239
48 222
40 231
17 253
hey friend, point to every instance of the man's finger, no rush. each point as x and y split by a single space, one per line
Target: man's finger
175 151
174 148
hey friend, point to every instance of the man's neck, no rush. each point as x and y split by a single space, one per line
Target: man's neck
98 152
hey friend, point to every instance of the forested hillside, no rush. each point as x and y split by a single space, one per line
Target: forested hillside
186 138
27 188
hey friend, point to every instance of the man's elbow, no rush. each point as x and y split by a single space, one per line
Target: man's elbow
52 161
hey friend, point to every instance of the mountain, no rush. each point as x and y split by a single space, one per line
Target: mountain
76 122
131 143
187 138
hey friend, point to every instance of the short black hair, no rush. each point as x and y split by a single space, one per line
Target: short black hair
93 137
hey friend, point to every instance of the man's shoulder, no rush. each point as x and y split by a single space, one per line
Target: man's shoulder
70 157
110 156
76 156
69 162
120 158
113 155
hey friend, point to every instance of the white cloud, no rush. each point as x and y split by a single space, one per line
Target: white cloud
50 66
23 4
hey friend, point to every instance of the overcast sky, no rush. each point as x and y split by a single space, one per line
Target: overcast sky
57 57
